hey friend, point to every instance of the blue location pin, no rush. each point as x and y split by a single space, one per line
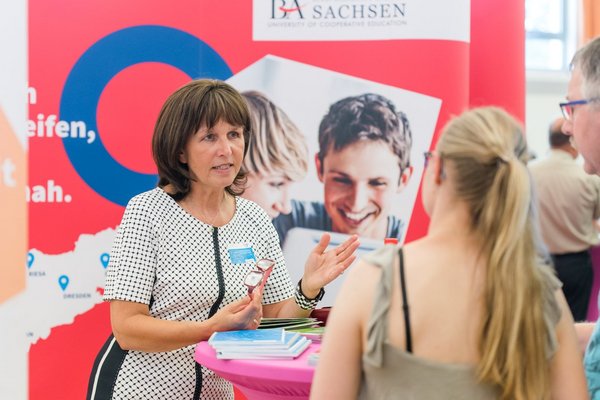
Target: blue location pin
104 258
30 259
63 281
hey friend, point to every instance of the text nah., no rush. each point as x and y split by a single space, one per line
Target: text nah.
50 193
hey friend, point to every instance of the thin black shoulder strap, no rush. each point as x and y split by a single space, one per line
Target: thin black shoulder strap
405 304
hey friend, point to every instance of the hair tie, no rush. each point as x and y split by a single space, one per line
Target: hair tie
504 159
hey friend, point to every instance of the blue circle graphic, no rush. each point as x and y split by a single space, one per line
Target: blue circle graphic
94 70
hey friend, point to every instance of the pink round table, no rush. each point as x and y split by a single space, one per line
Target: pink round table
263 379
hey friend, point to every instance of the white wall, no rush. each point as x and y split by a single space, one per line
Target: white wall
543 93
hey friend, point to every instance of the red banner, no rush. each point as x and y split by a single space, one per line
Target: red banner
100 72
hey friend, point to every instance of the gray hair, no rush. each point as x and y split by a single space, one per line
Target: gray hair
587 60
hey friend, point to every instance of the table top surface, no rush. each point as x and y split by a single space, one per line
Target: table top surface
295 370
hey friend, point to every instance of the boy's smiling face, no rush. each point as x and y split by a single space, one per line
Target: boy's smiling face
360 183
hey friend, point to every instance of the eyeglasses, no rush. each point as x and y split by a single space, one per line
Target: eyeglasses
427 155
568 108
256 276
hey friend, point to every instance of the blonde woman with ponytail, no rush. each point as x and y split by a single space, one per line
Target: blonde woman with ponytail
470 311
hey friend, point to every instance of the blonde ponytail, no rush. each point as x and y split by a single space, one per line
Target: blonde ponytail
488 154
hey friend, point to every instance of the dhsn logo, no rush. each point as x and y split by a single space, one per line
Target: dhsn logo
281 9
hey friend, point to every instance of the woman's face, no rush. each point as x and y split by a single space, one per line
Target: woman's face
214 156
270 191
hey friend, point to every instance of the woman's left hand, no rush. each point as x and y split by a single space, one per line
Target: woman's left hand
324 266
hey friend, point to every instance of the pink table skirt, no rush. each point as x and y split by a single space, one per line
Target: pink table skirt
263 379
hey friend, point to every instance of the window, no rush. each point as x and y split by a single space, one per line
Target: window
550 34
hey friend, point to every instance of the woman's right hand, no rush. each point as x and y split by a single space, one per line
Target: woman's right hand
135 329
241 314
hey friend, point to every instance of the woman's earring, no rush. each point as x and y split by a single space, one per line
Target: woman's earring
441 173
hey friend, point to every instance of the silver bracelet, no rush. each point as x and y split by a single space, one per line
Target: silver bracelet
304 302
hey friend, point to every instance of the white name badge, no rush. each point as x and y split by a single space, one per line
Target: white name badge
241 253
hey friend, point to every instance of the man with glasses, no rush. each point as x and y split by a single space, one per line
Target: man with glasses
582 114
569 204
582 110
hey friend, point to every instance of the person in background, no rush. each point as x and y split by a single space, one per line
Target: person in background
582 123
363 163
182 251
569 205
277 155
470 311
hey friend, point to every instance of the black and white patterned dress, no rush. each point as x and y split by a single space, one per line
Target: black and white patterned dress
164 257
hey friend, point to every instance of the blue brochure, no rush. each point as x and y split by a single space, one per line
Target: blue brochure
247 337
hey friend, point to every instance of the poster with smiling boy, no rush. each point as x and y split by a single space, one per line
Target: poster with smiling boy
365 145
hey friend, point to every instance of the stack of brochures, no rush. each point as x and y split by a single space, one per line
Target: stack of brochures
307 327
288 323
315 333
273 343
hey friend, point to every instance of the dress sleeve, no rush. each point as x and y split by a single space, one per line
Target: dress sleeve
132 265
